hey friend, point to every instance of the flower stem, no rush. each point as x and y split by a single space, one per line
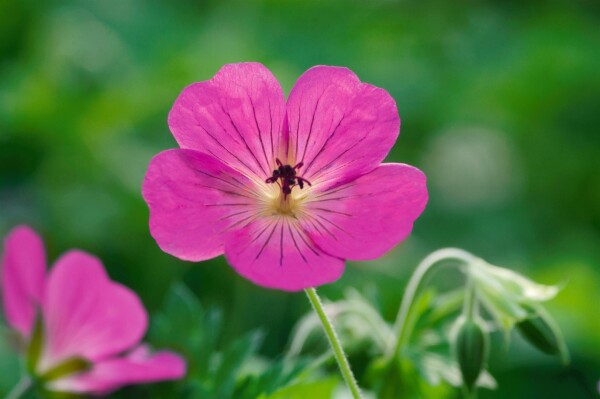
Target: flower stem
401 326
335 343
20 389
470 305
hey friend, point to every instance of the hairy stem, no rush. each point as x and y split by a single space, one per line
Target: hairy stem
401 328
334 341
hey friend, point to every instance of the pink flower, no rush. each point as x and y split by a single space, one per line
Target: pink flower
88 336
286 190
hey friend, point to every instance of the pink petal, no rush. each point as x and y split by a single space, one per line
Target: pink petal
367 217
339 127
23 272
194 199
275 253
236 117
86 314
137 368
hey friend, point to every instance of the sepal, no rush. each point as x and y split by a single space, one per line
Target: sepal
72 366
34 348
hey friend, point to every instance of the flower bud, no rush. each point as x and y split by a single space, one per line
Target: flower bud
472 348
502 292
539 332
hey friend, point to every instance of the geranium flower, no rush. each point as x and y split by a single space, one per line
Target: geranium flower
81 331
286 190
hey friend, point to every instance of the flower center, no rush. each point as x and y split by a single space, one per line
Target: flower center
285 176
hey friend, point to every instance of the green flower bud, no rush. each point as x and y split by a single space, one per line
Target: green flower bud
535 330
541 332
471 350
503 291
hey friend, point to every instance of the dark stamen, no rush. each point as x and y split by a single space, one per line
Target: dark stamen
285 176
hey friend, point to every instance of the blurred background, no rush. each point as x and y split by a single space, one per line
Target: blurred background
500 107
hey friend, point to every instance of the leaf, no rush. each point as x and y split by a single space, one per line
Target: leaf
436 368
232 360
268 378
9 360
419 307
183 325
214 371
443 306
359 326
315 389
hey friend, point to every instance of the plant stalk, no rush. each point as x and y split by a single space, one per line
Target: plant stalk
470 305
401 328
334 341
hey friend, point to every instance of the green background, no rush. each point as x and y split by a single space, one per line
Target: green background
500 107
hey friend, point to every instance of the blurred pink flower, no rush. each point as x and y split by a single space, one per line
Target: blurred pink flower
286 190
89 324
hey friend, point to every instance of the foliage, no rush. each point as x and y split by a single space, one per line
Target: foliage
218 371
441 340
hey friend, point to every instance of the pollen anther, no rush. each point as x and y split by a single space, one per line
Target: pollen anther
285 176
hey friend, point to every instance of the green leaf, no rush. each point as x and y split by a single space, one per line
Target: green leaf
443 306
215 370
269 377
315 389
232 360
436 368
183 325
9 361
359 326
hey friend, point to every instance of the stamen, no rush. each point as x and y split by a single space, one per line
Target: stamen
285 176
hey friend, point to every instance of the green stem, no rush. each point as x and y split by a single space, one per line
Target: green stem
20 389
335 343
470 305
401 326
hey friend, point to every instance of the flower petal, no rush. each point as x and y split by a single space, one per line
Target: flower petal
237 117
86 314
194 199
367 217
23 273
274 252
339 127
137 368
